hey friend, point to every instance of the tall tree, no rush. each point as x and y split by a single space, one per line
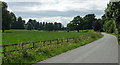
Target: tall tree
97 25
113 12
20 23
89 20
29 26
13 20
76 24
6 17
55 26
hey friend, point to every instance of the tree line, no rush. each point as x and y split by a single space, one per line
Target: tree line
10 21
110 21
82 23
33 24
111 18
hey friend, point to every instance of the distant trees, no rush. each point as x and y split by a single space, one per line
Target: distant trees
79 23
97 25
29 26
35 25
57 26
9 20
18 24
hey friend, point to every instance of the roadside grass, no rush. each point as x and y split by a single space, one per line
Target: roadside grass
115 35
31 56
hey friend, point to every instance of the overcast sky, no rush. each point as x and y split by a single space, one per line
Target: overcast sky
56 10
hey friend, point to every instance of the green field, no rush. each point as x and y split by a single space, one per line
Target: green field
20 36
42 52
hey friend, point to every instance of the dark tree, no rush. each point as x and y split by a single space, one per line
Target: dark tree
35 24
111 18
97 25
29 26
20 23
6 17
13 24
89 19
76 24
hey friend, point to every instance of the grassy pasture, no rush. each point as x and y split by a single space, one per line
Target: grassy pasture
21 36
18 36
42 52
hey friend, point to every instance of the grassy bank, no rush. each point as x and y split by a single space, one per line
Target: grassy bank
114 35
43 52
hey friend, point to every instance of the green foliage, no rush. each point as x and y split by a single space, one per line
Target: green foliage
109 26
112 13
29 26
9 19
89 20
20 23
43 26
33 24
97 25
79 23
76 24
6 17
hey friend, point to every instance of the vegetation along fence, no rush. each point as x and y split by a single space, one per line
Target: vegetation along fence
55 41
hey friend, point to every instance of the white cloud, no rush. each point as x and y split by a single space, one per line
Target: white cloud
63 20
62 5
57 5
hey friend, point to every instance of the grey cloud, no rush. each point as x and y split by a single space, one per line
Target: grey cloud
57 13
23 4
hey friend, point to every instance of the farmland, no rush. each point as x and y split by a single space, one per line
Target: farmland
42 52
20 36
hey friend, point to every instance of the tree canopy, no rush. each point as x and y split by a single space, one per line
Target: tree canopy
111 18
6 17
79 23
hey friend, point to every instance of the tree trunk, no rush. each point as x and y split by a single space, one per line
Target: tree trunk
77 30
68 31
118 34
3 30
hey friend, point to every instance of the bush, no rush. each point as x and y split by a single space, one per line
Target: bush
109 27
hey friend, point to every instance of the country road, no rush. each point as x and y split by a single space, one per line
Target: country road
104 50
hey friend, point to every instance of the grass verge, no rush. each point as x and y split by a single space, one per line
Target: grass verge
30 56
116 36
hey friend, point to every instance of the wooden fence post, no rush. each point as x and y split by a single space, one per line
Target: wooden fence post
79 39
43 42
57 41
67 40
50 41
62 40
33 44
22 45
4 51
